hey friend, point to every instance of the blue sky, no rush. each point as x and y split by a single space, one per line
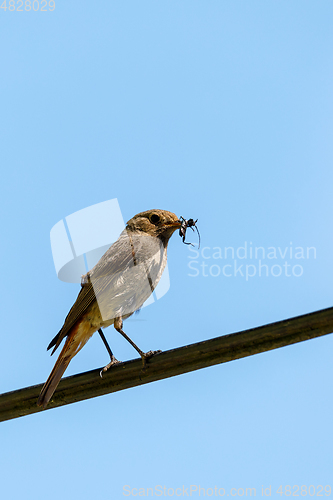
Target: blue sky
220 111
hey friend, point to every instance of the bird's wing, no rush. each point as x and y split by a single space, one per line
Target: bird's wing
116 259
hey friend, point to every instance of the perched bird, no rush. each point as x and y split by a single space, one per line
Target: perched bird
114 289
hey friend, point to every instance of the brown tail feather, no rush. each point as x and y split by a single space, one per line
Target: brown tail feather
53 381
76 339
66 354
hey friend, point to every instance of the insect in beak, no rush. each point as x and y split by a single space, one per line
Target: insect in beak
185 224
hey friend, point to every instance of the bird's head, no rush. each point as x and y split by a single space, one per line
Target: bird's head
158 223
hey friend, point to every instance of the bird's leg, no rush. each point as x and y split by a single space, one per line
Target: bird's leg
118 324
113 361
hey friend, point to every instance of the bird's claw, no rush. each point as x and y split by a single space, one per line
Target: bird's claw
147 355
114 361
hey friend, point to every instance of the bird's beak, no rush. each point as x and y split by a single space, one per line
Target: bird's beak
173 224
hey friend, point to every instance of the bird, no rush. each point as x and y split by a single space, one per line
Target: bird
116 287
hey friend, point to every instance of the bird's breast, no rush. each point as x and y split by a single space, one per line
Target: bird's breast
123 292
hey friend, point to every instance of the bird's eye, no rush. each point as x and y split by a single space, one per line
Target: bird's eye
154 218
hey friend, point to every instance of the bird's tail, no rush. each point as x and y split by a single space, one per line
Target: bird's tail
76 339
54 378
67 353
52 382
